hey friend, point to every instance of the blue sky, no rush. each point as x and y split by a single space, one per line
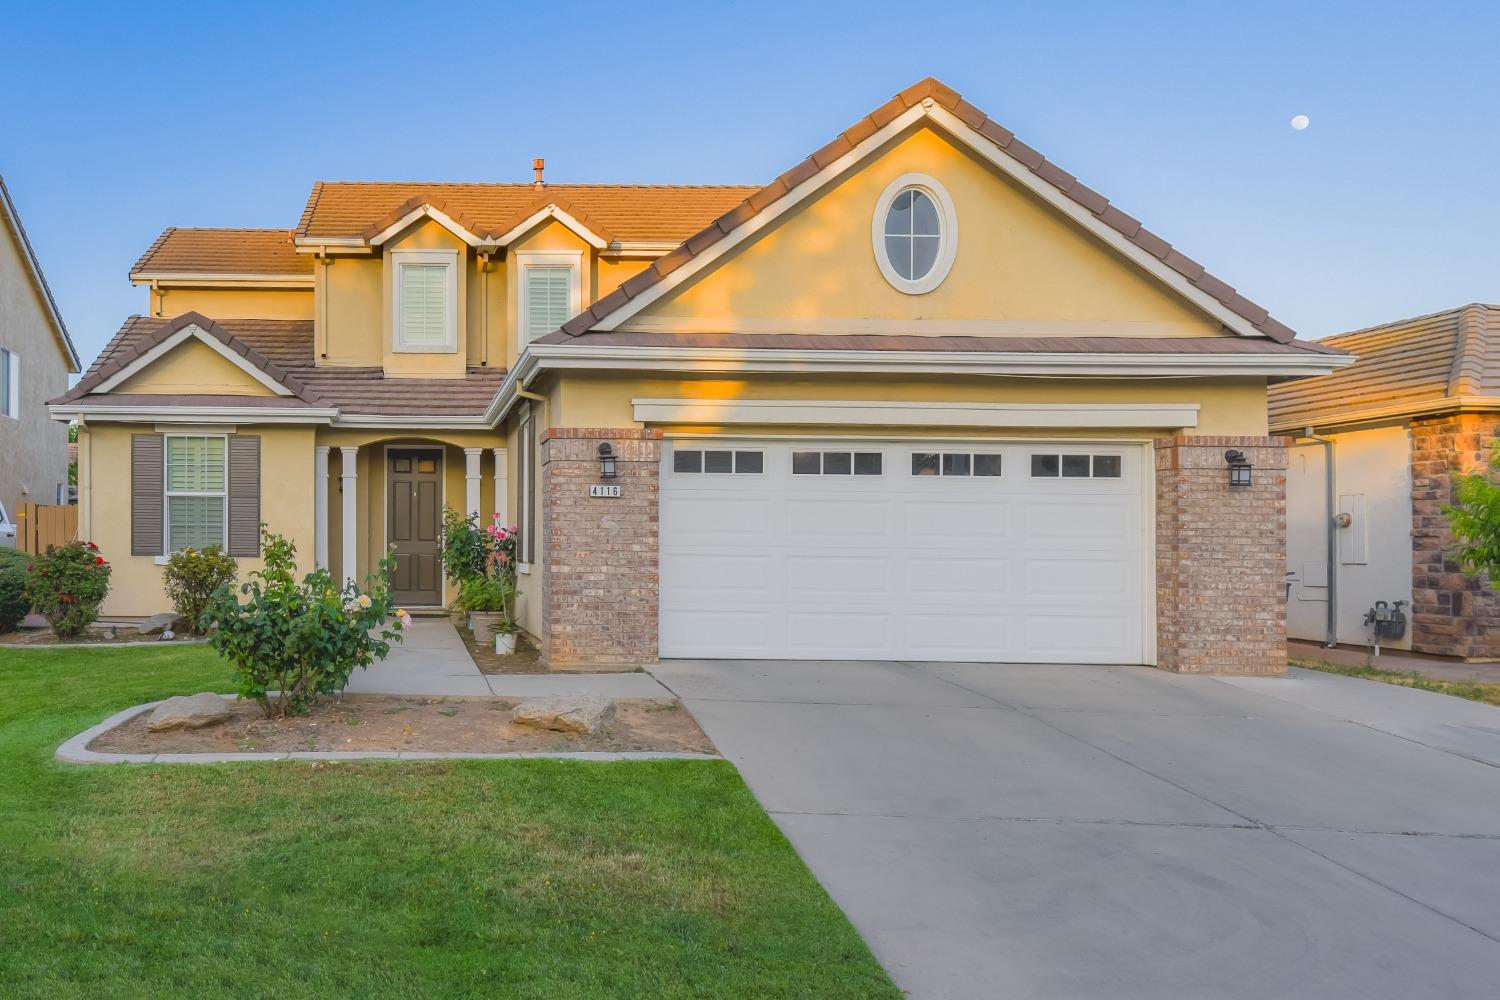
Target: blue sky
123 119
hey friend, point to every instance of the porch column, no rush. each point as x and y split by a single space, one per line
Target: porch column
350 481
320 505
471 480
502 483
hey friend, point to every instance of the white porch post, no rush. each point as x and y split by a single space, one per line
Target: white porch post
350 480
471 480
502 483
320 505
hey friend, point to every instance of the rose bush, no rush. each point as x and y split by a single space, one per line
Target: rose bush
291 642
191 578
481 562
66 584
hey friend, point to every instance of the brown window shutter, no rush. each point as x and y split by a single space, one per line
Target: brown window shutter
147 495
244 495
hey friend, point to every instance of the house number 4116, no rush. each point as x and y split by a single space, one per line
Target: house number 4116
612 490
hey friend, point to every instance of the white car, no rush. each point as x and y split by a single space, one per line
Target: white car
7 529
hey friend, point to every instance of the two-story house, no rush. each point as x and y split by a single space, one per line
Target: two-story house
924 396
36 355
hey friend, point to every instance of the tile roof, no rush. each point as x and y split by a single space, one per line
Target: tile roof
284 349
223 251
666 213
1410 366
1107 214
911 342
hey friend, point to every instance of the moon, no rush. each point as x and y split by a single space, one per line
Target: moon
1300 122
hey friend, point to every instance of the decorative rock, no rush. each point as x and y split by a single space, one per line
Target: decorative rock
587 714
168 635
157 624
188 712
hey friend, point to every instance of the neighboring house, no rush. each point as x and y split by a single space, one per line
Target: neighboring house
1421 404
36 356
922 397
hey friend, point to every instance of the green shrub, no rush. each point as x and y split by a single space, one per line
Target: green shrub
66 584
465 547
291 642
192 576
13 603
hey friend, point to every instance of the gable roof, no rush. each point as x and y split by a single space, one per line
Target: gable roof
13 219
1439 362
124 357
941 104
184 251
285 347
619 213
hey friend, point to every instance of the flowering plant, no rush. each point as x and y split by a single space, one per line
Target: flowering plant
292 641
191 577
66 584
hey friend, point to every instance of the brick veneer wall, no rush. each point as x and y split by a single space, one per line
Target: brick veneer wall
600 557
1220 557
1453 614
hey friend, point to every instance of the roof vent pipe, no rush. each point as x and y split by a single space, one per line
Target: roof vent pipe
538 165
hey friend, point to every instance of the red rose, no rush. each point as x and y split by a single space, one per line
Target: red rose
93 547
98 560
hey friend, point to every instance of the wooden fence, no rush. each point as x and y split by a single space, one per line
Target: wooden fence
39 525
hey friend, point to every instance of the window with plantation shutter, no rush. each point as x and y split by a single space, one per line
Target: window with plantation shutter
550 291
197 491
547 299
425 310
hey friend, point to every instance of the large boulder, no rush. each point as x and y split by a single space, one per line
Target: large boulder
163 622
587 714
189 712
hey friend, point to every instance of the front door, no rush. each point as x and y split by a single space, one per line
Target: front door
413 522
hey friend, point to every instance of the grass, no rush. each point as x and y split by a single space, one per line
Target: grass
1472 690
460 878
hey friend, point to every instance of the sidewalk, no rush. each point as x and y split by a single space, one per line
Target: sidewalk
431 660
1397 660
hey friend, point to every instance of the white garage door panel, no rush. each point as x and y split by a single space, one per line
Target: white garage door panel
1005 568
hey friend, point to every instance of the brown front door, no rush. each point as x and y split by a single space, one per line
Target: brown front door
413 519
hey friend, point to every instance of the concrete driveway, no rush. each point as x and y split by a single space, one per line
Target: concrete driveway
1119 832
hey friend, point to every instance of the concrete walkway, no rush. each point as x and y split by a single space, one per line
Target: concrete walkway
431 660
1065 832
1438 668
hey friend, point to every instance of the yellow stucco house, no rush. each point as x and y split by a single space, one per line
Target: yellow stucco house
923 397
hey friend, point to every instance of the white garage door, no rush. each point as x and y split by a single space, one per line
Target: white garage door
1017 552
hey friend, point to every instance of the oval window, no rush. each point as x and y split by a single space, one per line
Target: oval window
915 234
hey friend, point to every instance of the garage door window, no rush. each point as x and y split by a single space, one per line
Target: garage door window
1053 466
719 461
948 463
836 463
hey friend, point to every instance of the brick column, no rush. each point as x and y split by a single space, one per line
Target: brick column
1453 614
599 558
1220 557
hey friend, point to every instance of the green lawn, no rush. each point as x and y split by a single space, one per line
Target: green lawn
1472 690
467 878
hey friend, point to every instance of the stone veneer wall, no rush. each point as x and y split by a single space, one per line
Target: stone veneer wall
600 558
1220 557
1453 614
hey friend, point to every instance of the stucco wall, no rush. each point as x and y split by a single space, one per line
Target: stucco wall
34 447
104 496
234 303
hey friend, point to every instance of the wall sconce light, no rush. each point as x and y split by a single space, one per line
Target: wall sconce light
607 466
1239 469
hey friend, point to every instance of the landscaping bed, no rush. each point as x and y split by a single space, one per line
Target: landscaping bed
525 660
506 878
388 723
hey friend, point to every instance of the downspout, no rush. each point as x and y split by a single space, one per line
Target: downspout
484 309
1330 482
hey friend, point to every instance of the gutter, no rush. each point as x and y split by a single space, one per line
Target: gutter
1330 482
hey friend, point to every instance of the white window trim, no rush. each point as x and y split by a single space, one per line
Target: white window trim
445 258
167 493
947 245
13 396
571 259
